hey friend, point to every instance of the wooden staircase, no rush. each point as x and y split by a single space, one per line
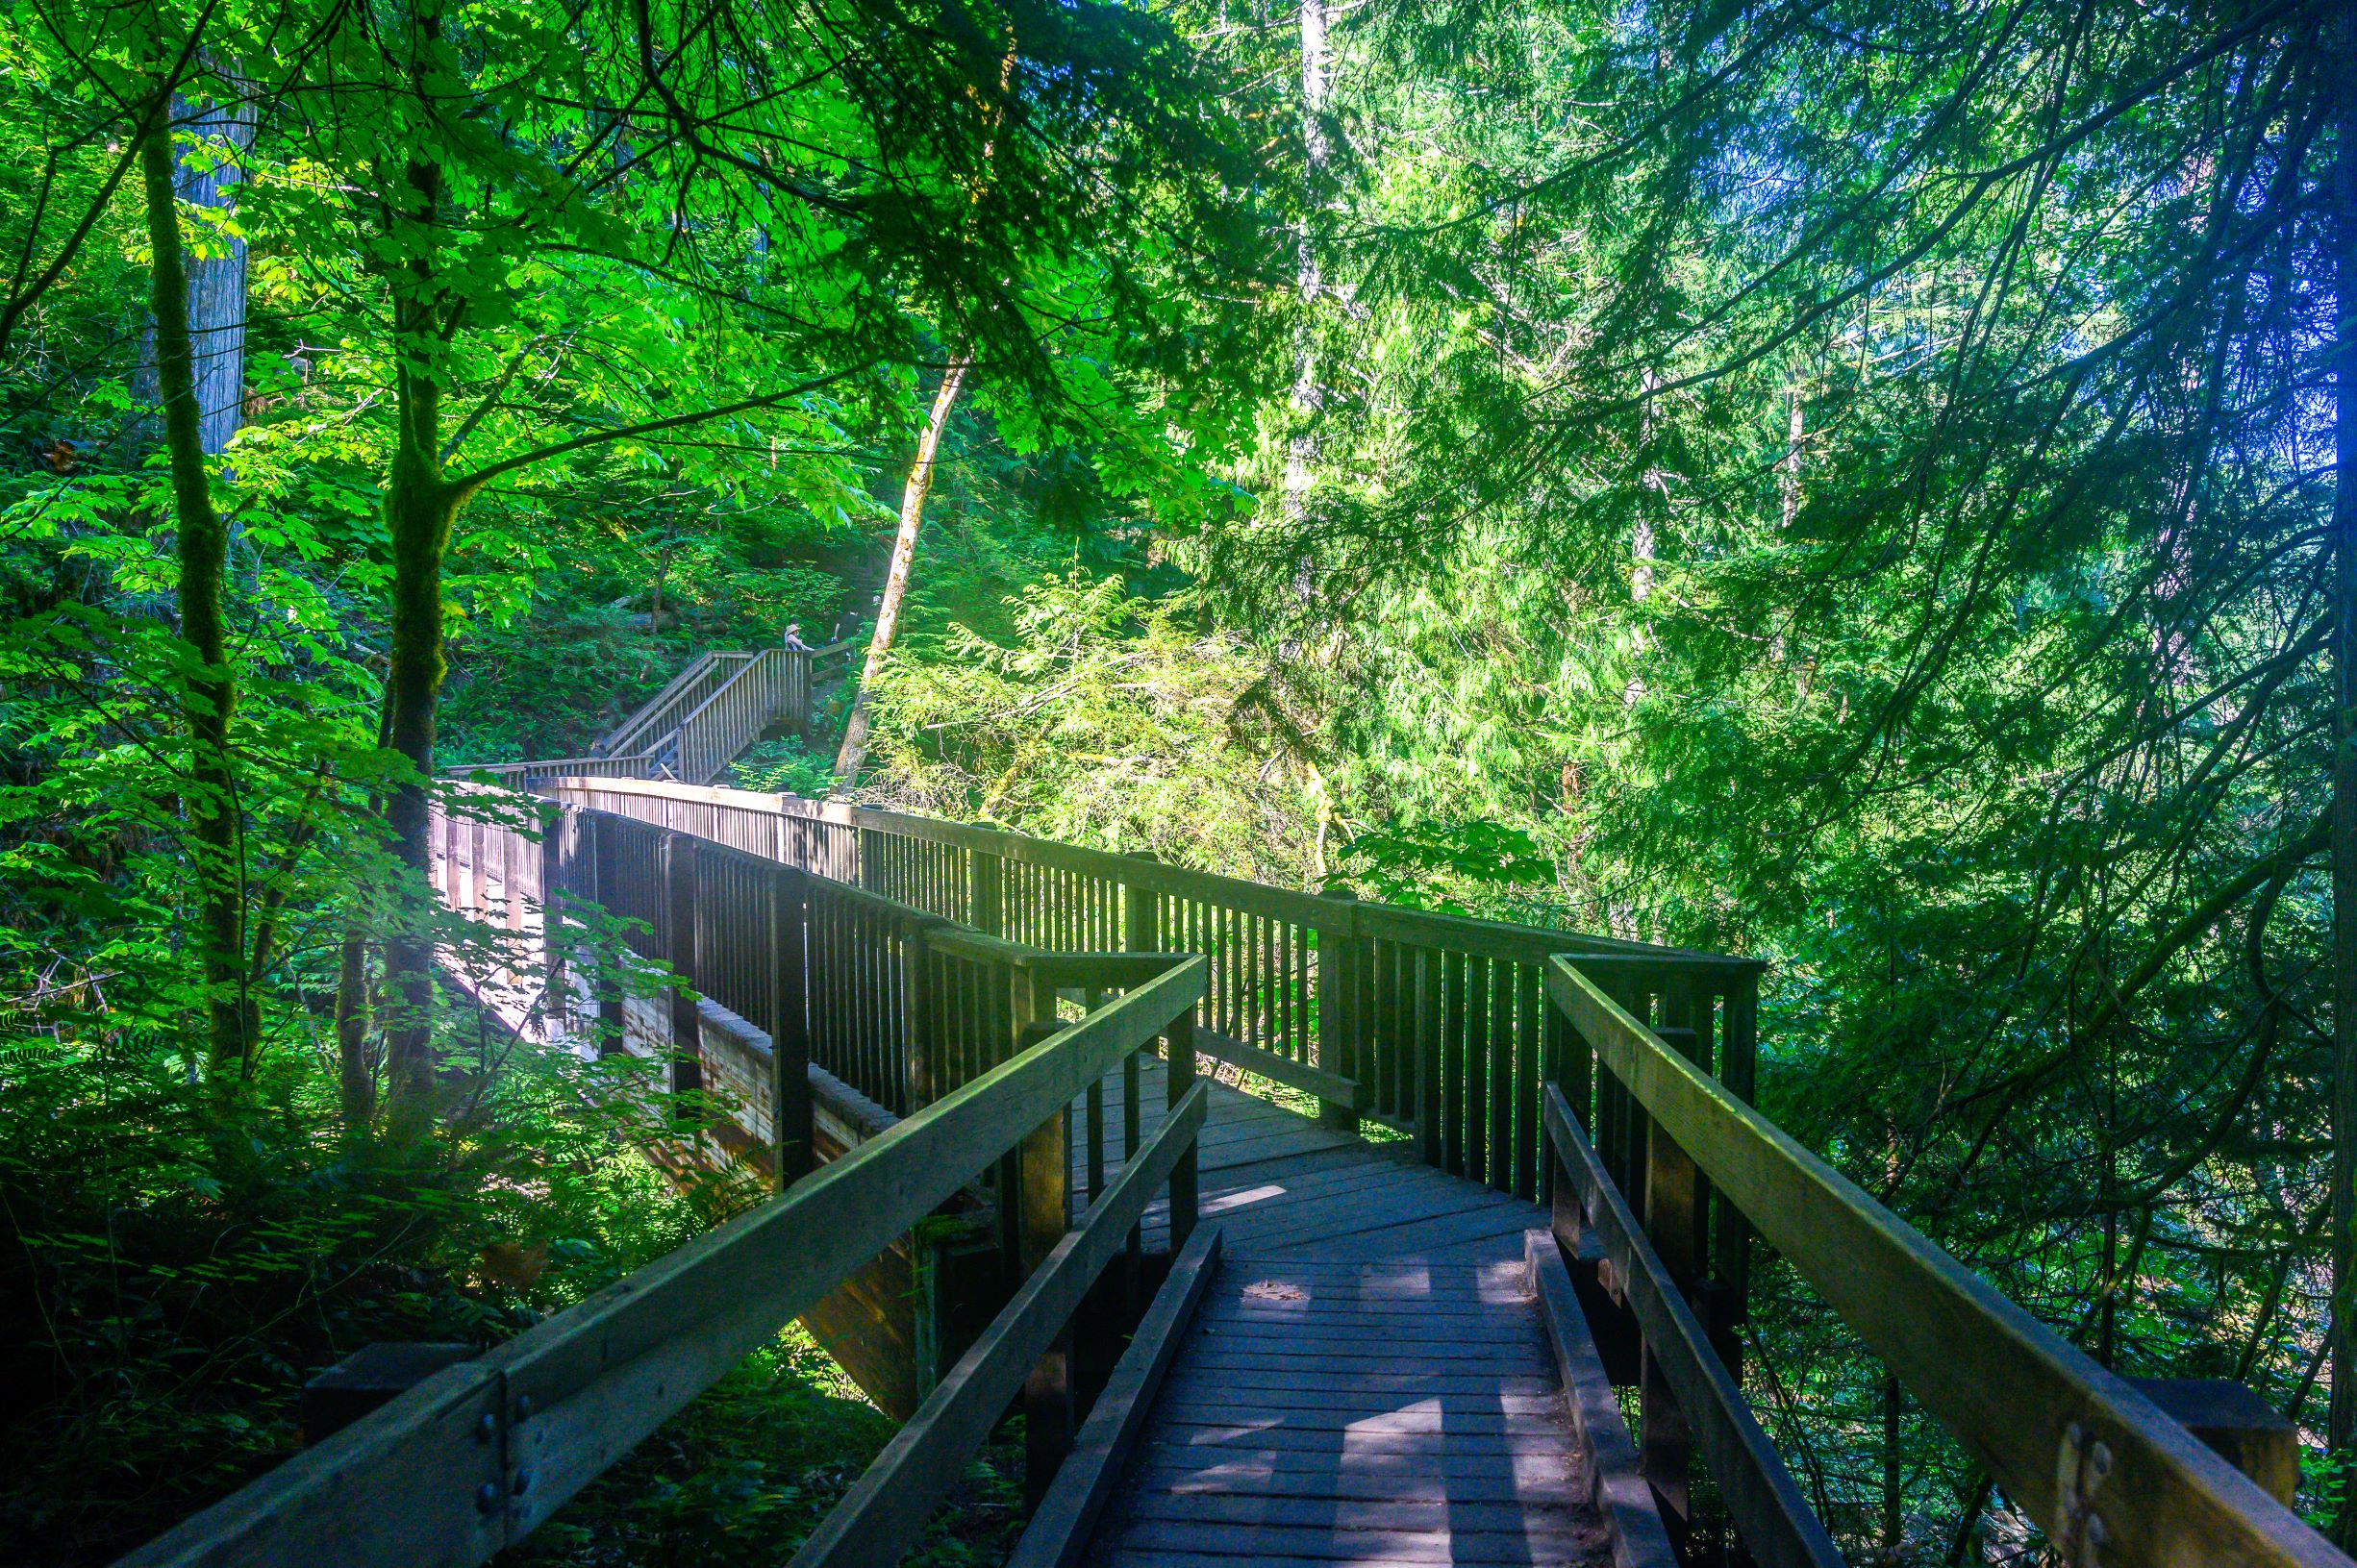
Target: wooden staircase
692 730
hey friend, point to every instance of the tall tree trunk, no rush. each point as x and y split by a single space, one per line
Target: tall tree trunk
1309 393
205 177
217 279
421 505
211 690
419 508
897 581
2341 71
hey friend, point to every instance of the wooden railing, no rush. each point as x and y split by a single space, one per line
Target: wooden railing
473 1458
1615 1079
659 716
531 775
691 730
1431 1023
1658 1157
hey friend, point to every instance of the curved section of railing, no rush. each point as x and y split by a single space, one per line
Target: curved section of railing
1615 1078
660 714
472 1460
528 775
690 673
1432 1023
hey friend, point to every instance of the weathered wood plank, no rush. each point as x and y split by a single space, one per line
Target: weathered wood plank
1538 1480
1531 1544
1639 1539
886 1509
1060 1527
1447 1515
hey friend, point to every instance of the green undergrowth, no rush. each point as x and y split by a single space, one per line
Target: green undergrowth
173 1269
746 1472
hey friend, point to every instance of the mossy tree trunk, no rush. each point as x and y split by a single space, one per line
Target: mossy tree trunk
209 693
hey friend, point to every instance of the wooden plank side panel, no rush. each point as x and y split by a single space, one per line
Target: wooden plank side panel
1059 1530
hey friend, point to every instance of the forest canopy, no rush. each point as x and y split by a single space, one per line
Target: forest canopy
1860 486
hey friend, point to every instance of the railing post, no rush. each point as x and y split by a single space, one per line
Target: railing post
1569 1066
985 880
871 861
1674 1206
1044 1199
1337 1004
613 1021
1140 912
555 987
511 858
924 1035
790 1043
478 884
1730 1288
1426 964
679 860
1179 1048
795 698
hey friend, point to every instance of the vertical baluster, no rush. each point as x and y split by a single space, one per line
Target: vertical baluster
1452 1061
1478 1087
789 1047
1431 1107
1091 999
1284 942
1501 1055
1529 1051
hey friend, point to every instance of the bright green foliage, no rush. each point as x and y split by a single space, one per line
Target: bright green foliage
1843 485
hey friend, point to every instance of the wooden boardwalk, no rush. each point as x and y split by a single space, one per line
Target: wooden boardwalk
1368 1381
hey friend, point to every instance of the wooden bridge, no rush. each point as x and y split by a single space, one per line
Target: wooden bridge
1375 1312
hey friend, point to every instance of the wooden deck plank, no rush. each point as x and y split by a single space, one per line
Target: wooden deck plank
1368 1381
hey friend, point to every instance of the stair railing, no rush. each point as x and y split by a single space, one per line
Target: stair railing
659 716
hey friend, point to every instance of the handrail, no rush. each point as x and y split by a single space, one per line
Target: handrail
472 1460
661 716
693 670
1503 938
1372 1011
636 765
2100 1467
